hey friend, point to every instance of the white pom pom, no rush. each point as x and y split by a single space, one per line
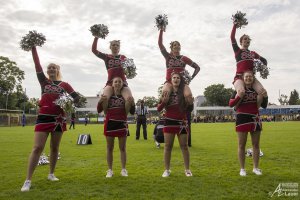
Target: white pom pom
129 68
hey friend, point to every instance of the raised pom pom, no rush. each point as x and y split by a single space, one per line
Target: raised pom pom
239 19
99 30
32 39
161 22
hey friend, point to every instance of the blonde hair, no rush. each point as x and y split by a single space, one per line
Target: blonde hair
58 76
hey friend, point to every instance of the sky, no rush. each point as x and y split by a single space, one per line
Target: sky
202 27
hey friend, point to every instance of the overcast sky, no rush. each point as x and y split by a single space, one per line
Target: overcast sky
202 27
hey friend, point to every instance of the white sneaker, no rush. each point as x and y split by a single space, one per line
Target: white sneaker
109 173
188 173
243 172
26 186
257 171
166 173
51 177
124 172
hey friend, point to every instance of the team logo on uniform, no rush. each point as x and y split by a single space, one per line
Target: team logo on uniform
245 55
50 89
173 99
112 63
173 62
250 96
116 102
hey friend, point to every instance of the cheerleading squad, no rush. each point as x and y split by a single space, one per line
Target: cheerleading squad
117 101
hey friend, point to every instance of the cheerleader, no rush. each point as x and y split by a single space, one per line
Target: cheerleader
51 118
176 107
114 69
248 120
175 62
115 124
244 62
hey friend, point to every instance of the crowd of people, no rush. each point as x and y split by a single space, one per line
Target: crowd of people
176 101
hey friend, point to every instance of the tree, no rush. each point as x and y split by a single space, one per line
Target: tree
82 101
11 78
294 97
283 99
159 91
32 105
217 95
151 102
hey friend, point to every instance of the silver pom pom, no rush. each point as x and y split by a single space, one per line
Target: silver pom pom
239 19
65 102
261 68
129 68
99 30
187 77
161 22
32 39
249 152
43 160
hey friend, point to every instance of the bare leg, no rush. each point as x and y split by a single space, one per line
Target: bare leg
259 88
255 137
54 149
126 93
40 139
242 139
122 147
110 148
169 141
183 141
187 93
239 87
108 92
166 90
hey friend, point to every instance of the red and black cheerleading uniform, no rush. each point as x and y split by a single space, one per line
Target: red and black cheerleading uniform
115 123
244 57
247 113
175 63
113 65
51 117
175 118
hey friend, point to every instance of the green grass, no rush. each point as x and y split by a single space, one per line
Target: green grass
214 164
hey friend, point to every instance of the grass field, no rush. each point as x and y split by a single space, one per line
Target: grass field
82 168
